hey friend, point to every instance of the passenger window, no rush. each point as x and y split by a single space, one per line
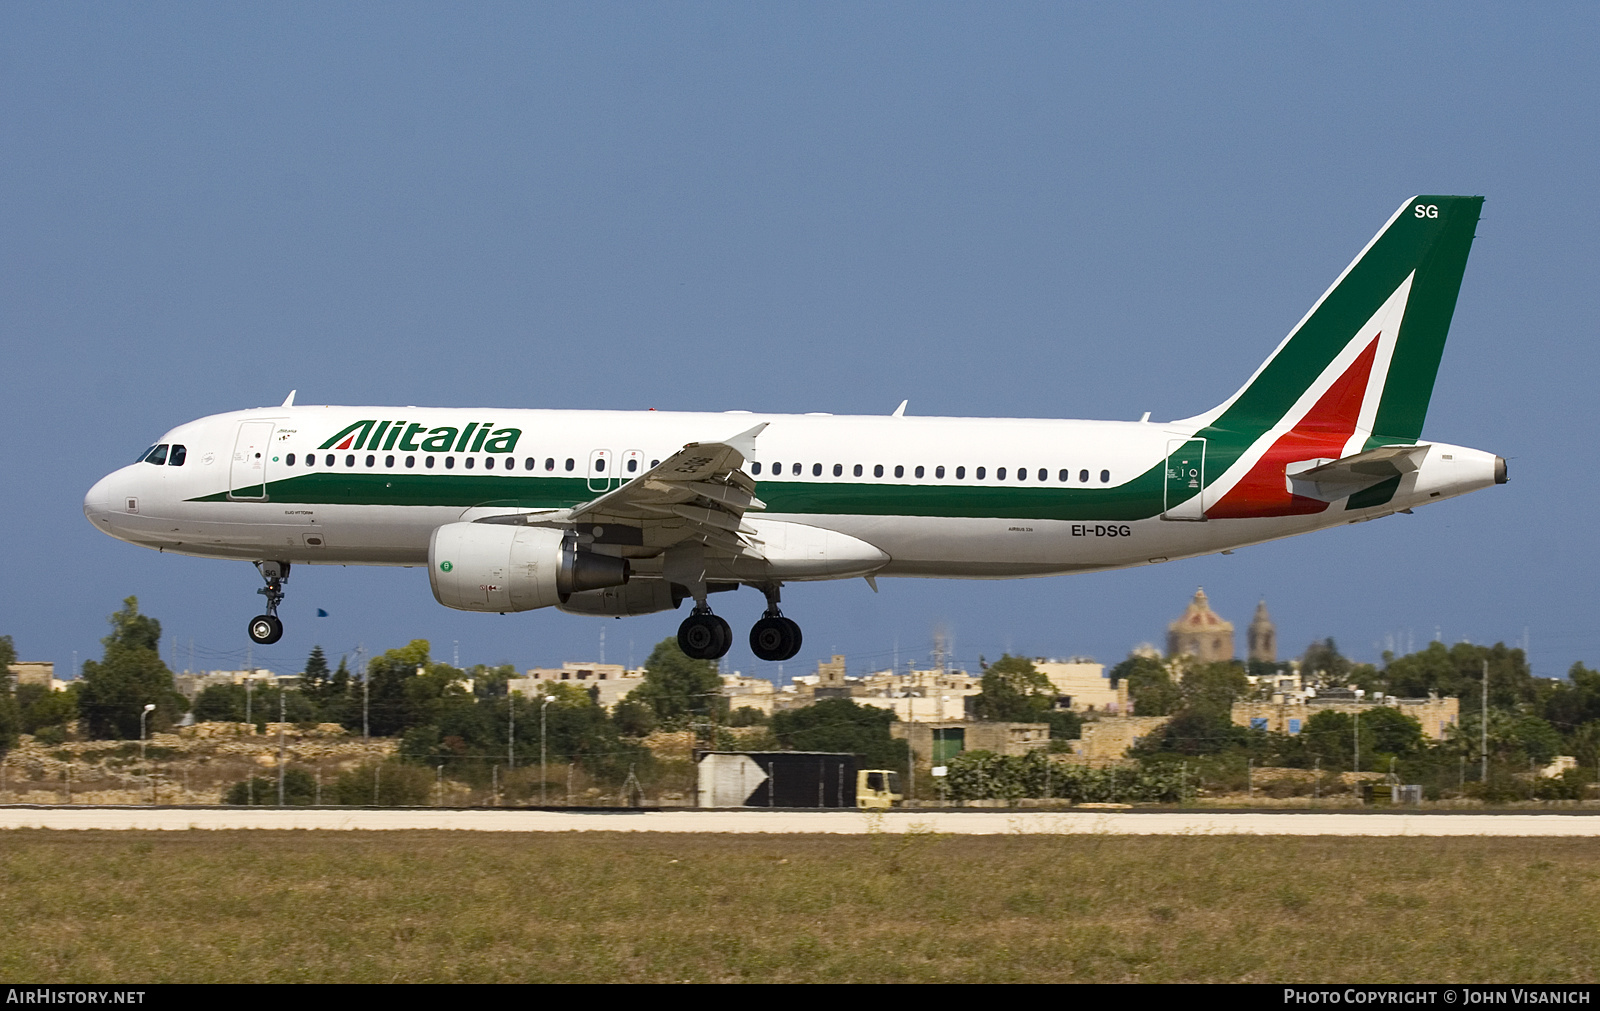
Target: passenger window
388 461
371 459
570 463
449 463
427 461
938 471
329 461
655 463
468 462
158 456
177 456
961 472
488 463
755 468
288 461
816 470
877 470
411 461
838 470
599 465
796 470
1044 475
999 474
633 465
978 473
897 472
550 463
1064 475
311 459
528 463
1083 476
857 470
1105 477
350 461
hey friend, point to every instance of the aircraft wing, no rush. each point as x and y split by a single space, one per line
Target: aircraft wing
699 493
1331 480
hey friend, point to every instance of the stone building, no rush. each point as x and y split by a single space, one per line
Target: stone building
1287 714
33 672
610 682
1200 632
1262 636
935 743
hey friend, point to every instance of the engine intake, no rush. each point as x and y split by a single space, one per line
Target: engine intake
495 567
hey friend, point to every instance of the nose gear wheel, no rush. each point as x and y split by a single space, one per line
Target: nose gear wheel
266 629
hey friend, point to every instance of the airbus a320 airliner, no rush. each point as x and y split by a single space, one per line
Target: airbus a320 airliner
617 513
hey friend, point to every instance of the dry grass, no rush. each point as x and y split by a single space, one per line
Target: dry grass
447 907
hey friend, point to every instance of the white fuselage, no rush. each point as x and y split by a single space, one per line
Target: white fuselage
947 502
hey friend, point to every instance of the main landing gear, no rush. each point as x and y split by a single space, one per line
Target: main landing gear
266 629
704 636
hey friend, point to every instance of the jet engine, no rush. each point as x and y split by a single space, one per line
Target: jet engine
642 596
496 567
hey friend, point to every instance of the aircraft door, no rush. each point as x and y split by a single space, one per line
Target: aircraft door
247 472
600 470
1184 493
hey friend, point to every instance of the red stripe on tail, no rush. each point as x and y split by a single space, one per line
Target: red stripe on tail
1322 433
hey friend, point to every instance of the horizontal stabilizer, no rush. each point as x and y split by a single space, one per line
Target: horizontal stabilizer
1331 480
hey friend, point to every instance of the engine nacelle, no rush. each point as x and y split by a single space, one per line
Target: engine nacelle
642 596
497 567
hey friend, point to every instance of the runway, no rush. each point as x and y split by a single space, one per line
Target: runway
790 822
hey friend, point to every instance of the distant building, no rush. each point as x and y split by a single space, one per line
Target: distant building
1263 636
1288 713
1084 685
190 684
29 672
1200 632
611 682
935 744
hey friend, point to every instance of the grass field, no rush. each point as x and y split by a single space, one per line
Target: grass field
197 906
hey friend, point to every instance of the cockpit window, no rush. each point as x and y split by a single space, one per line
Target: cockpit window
158 455
177 456
145 455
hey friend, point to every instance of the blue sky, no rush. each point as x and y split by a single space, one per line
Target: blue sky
1000 210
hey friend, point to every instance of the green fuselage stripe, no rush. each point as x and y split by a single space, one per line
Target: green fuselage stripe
1134 500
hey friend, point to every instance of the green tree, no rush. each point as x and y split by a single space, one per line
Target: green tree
230 704
10 710
299 790
42 708
1213 688
1014 690
633 718
1323 662
316 679
1150 685
129 677
407 690
842 725
678 688
1458 670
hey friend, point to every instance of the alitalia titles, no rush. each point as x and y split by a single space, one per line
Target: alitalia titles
414 436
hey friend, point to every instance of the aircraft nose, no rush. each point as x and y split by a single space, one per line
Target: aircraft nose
97 504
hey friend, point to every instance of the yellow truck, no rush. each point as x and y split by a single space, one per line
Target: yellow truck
878 789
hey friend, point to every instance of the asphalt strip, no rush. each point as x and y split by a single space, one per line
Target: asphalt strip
789 822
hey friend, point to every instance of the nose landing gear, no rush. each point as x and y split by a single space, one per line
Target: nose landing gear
266 629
